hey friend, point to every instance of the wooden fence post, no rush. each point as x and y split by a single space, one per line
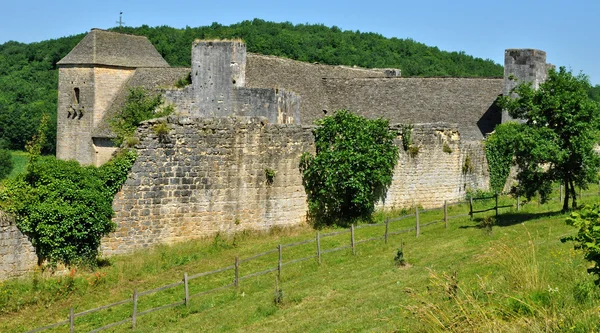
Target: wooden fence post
280 263
496 204
134 315
186 289
237 271
352 239
319 246
560 197
418 227
71 321
518 202
471 207
387 228
446 213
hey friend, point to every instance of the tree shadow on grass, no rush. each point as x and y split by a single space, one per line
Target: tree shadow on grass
512 218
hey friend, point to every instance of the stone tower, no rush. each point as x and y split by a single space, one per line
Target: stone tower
523 65
217 68
90 77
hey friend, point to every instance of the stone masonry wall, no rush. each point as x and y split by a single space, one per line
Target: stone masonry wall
434 175
17 255
208 176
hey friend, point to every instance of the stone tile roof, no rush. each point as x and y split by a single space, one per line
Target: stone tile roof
100 47
470 102
153 79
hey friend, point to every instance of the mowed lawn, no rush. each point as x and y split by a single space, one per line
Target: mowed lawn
516 276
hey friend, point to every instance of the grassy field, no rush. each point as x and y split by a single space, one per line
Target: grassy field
20 161
513 277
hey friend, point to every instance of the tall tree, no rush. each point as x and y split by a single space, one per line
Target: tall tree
556 141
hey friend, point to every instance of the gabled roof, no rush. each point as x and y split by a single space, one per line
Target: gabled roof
100 47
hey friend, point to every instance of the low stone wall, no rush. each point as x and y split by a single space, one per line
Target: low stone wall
17 255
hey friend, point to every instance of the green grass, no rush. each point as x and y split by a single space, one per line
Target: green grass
20 162
516 277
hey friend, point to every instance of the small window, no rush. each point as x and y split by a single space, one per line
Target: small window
76 95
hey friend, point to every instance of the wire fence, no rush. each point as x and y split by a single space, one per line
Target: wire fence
235 269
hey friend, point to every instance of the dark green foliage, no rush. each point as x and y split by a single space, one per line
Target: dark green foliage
29 76
140 106
63 207
352 169
556 142
588 236
499 151
184 81
6 163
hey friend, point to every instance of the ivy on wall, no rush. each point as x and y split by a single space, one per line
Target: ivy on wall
499 151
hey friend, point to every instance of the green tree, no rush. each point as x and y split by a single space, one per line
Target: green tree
352 169
556 141
6 163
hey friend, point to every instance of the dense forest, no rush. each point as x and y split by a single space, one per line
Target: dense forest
29 77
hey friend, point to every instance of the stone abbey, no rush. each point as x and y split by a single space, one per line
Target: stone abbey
244 113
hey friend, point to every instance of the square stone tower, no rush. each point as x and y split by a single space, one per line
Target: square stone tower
89 79
218 67
523 65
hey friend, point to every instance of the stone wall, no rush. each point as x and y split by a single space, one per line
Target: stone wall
208 176
17 255
435 175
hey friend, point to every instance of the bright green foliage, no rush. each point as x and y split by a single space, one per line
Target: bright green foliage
499 151
352 169
6 163
588 236
140 106
556 142
65 208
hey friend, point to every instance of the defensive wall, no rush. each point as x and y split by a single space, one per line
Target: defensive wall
245 114
208 176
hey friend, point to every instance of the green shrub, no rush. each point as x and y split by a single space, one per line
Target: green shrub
499 152
446 148
184 81
65 208
352 169
6 163
588 236
140 106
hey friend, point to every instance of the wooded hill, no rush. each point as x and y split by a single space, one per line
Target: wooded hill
29 77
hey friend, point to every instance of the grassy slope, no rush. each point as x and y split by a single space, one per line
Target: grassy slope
346 293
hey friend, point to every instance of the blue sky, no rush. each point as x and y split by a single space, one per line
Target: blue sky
566 30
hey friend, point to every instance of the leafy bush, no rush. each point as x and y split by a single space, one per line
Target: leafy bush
65 208
140 106
6 163
352 169
588 236
500 151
